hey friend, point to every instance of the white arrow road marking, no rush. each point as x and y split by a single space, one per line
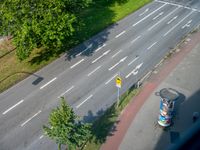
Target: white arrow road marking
88 47
122 60
111 79
135 70
144 12
66 91
120 34
148 15
172 20
77 63
117 53
135 39
30 118
48 83
133 60
105 53
187 24
162 19
84 101
177 24
94 71
151 45
100 48
9 109
160 14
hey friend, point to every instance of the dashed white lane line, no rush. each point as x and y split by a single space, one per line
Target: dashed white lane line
162 19
41 136
178 24
160 14
88 47
77 63
122 60
174 18
100 48
66 91
134 71
84 101
120 34
9 109
146 10
151 45
117 53
111 79
31 118
48 83
133 60
94 71
148 15
134 40
105 53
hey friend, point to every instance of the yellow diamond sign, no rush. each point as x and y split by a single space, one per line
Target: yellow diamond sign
118 82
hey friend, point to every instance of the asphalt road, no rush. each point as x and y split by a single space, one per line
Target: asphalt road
86 76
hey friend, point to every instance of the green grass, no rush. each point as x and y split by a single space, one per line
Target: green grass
94 19
102 127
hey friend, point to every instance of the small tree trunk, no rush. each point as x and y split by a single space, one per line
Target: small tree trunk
59 146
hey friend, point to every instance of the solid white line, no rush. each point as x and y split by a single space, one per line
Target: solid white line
158 15
77 63
66 91
135 39
172 20
162 19
48 83
152 45
94 71
133 61
144 12
116 53
178 24
84 101
89 46
120 34
41 136
100 48
148 15
30 118
111 79
9 109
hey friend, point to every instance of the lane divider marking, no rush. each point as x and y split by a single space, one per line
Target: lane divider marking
100 48
84 101
151 45
116 53
160 14
9 109
133 60
111 79
144 12
120 34
135 39
94 71
88 47
172 20
66 91
77 63
31 118
105 53
122 60
48 83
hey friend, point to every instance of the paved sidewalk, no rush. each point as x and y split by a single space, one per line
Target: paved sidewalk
137 128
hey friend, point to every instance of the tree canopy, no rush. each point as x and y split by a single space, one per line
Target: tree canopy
65 128
39 23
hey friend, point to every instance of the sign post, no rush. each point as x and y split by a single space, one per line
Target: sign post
118 85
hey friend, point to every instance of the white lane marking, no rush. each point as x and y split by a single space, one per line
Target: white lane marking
162 19
111 79
88 47
134 71
148 15
30 118
9 109
122 60
172 20
178 23
66 91
160 14
144 12
105 53
100 48
41 136
94 71
77 63
151 45
187 24
133 60
48 83
84 101
120 34
135 39
117 53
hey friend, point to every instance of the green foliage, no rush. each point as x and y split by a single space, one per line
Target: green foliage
36 23
64 127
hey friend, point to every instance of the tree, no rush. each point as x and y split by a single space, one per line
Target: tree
65 128
39 23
